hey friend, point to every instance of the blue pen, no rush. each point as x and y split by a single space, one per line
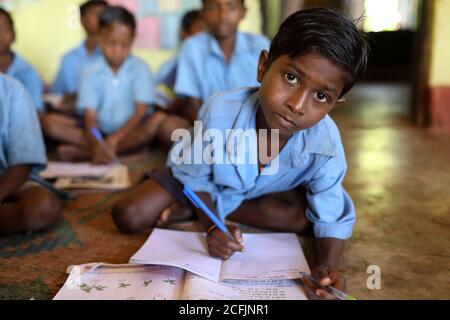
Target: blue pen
192 196
335 292
98 136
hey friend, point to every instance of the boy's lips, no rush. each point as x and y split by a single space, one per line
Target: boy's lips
286 121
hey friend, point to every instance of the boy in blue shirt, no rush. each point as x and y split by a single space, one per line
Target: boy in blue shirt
67 80
55 126
217 60
24 205
15 66
315 59
115 95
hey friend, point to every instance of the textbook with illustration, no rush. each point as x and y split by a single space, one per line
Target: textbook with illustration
85 176
267 256
99 281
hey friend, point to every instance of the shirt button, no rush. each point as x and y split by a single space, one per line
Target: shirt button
115 82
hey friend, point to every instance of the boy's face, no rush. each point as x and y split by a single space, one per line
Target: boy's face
297 93
89 20
6 34
222 17
116 42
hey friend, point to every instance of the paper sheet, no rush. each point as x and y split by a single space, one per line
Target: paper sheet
115 179
267 256
123 282
186 250
74 170
198 288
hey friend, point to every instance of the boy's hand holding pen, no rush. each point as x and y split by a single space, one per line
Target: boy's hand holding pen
222 241
103 152
220 245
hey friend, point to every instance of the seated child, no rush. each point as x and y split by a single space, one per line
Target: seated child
115 94
314 60
221 59
24 204
165 97
62 126
67 80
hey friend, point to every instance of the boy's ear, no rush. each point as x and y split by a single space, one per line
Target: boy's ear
263 65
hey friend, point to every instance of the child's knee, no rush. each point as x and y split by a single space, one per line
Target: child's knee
126 217
40 211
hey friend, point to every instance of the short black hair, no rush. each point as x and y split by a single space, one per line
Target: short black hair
328 33
119 14
8 17
91 3
189 19
243 2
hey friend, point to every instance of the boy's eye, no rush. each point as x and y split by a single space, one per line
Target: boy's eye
322 97
291 78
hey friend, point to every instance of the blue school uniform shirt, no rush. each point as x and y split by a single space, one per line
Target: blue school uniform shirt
165 83
202 69
28 76
114 96
67 80
313 158
20 132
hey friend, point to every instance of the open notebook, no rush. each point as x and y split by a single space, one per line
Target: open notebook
85 176
141 282
267 256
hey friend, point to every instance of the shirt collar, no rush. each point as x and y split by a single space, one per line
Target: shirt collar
240 46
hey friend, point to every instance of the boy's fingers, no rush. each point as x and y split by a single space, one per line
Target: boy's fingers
321 273
323 294
237 233
235 246
338 281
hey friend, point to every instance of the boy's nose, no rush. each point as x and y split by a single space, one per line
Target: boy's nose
297 102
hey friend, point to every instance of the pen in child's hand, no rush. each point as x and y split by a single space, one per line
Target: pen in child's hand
98 136
335 292
190 194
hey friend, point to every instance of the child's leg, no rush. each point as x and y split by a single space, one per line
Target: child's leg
284 212
142 208
156 202
72 153
32 210
63 129
168 126
143 134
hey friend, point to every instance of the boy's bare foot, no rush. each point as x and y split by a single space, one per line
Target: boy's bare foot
175 213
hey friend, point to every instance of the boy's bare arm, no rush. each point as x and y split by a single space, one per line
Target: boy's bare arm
132 123
190 108
13 178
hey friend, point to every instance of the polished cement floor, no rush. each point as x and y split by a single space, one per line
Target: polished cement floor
399 179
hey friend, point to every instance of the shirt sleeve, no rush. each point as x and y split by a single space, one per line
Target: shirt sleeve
187 82
89 96
193 172
35 87
330 210
59 85
144 87
25 144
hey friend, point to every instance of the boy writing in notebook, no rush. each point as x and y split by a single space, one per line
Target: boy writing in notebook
24 204
314 60
115 95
